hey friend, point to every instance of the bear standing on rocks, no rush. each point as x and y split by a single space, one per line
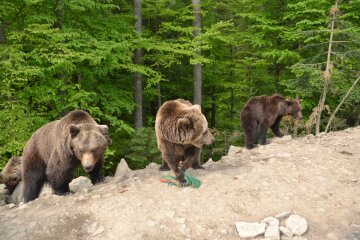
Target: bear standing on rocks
54 150
262 112
11 174
181 131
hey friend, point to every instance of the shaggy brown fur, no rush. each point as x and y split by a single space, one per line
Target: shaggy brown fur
11 174
181 130
55 149
262 112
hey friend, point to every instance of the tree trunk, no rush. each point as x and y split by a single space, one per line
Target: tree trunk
213 109
138 61
159 95
197 67
327 72
2 33
59 12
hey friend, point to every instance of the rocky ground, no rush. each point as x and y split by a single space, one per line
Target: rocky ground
317 178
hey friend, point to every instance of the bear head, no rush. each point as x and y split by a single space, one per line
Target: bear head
88 143
193 127
294 108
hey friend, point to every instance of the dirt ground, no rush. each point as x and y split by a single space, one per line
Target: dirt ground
316 177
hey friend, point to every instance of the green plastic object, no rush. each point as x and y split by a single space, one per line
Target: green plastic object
190 180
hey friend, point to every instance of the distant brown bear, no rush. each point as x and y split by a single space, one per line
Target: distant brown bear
11 174
262 112
54 150
181 131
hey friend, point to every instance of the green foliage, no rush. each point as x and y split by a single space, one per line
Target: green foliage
65 55
143 149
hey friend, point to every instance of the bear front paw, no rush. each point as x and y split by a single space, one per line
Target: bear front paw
98 179
164 168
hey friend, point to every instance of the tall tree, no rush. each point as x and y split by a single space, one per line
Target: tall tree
329 67
138 60
197 66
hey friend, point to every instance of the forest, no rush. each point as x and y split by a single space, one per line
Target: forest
120 60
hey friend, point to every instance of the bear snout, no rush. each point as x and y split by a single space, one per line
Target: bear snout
88 162
299 116
88 168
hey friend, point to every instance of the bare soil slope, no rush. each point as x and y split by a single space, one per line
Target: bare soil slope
316 177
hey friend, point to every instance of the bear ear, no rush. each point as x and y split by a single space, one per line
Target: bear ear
74 130
104 129
183 122
196 108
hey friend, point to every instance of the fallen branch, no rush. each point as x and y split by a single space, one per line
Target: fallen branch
342 101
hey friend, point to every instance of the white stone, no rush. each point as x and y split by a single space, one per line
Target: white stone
284 155
272 232
286 231
332 236
248 230
271 221
11 205
296 224
98 231
180 220
282 215
80 184
234 150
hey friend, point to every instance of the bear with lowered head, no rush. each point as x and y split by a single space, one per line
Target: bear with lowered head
263 112
181 131
55 149
11 174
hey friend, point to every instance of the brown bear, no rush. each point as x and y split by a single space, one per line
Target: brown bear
55 149
262 112
11 174
181 131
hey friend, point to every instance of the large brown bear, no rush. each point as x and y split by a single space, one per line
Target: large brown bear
262 112
11 174
181 131
55 149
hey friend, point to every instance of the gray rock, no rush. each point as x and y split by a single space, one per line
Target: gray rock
81 184
250 230
3 189
282 139
209 162
123 171
4 199
296 224
234 150
151 166
17 195
46 191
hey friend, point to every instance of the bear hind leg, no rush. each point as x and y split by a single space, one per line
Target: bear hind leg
59 181
34 180
164 167
179 172
250 135
262 133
